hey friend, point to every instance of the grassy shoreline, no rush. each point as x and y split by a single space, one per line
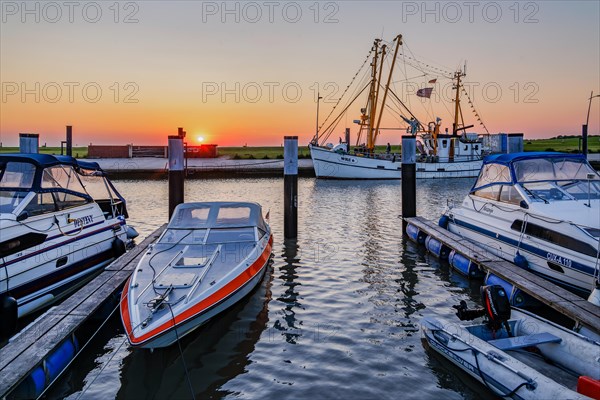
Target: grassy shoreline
563 144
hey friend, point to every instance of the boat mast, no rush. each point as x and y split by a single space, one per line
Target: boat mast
398 40
457 76
373 105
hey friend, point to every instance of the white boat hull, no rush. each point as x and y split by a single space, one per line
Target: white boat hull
501 371
332 165
492 229
42 274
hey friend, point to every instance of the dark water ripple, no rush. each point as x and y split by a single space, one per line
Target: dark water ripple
336 317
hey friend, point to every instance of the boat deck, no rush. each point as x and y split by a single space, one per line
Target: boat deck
31 347
563 301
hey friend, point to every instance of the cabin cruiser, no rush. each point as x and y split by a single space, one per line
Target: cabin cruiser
210 256
540 210
61 220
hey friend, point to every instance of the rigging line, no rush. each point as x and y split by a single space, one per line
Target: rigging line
366 79
353 78
407 109
339 116
187 375
474 109
79 352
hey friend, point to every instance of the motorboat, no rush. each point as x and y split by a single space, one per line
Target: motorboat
454 154
540 210
515 353
61 220
210 256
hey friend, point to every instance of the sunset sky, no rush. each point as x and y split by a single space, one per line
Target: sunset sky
240 73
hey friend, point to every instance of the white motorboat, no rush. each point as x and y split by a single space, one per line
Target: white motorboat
61 220
515 353
210 256
540 210
455 155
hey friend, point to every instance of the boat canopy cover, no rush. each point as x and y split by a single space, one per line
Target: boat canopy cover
217 215
509 169
48 160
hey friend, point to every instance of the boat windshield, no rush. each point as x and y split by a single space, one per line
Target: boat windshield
183 236
553 169
10 200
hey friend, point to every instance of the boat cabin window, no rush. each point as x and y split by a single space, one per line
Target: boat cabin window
493 173
190 217
490 192
228 235
62 177
582 190
42 203
10 200
552 169
509 194
234 216
552 236
17 175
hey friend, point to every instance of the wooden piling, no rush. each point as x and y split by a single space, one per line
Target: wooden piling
409 178
176 170
69 140
290 186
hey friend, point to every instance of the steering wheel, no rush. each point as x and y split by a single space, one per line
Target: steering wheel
556 194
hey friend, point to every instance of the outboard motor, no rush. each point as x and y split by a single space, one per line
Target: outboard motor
496 309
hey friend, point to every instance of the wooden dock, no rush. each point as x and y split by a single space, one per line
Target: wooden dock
28 350
563 301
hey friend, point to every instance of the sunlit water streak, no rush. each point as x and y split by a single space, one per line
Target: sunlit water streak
337 315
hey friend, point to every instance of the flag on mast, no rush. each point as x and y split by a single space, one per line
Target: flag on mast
433 80
425 92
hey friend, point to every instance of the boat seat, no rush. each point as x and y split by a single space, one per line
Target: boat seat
518 342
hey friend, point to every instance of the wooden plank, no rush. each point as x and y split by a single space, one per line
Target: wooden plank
131 257
25 352
26 361
539 288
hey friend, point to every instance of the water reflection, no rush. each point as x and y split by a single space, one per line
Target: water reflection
213 354
290 328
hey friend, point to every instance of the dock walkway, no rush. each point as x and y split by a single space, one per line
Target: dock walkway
563 301
28 350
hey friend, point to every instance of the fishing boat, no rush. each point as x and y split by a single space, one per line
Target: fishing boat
441 155
540 210
515 353
61 220
210 256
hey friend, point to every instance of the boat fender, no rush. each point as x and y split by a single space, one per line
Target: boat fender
118 247
34 385
131 232
443 222
588 387
521 261
8 315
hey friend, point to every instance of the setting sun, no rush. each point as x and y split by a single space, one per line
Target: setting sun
200 139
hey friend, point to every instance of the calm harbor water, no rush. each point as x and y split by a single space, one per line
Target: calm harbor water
337 315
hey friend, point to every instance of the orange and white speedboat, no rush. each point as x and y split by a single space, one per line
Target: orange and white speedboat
210 256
